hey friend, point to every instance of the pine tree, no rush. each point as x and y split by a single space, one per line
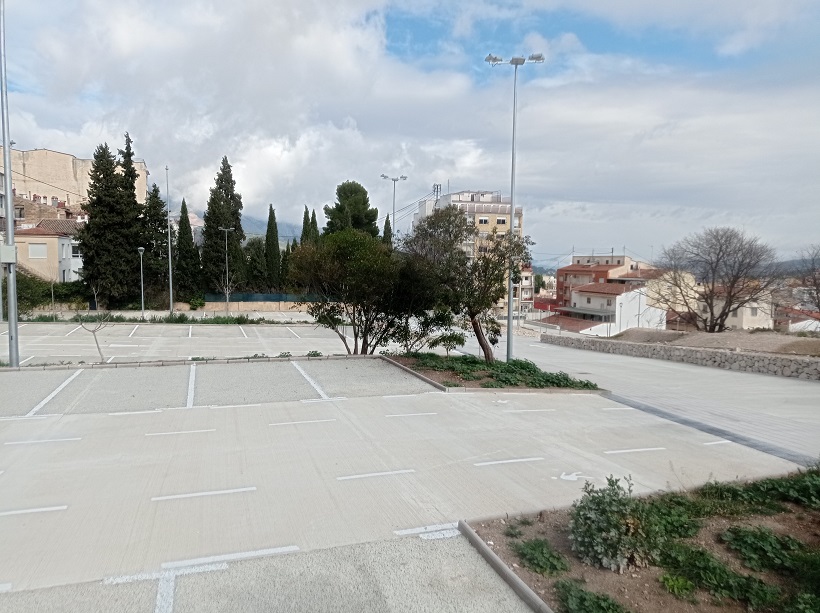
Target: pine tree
187 272
352 210
283 270
257 279
272 255
155 241
110 239
314 227
305 237
387 235
224 211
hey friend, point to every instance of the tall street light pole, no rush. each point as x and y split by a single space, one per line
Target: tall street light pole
170 268
493 60
227 278
142 284
394 180
9 255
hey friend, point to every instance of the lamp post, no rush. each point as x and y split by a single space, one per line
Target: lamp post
170 268
394 180
494 60
227 278
142 285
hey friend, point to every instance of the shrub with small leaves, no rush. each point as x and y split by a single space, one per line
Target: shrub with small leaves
610 528
539 556
284 354
760 548
575 599
679 587
314 354
512 531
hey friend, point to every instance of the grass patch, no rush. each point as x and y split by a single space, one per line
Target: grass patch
573 598
512 531
761 549
539 556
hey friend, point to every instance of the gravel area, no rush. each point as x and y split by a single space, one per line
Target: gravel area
766 342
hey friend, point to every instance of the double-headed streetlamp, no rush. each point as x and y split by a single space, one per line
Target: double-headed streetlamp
494 60
227 278
142 285
394 180
170 268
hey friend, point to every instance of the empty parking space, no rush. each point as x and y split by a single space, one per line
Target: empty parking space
257 382
23 391
362 377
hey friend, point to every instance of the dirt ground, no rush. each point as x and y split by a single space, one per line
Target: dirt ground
765 342
639 591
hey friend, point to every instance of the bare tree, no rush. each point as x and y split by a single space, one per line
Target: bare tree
227 287
710 275
95 323
808 271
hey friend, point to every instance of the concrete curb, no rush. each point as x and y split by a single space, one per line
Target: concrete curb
523 591
418 375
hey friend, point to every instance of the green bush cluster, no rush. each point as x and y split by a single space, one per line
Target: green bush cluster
539 556
573 598
761 549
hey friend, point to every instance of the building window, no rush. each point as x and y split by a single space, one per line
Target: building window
704 308
753 311
609 301
501 221
589 300
37 251
483 221
734 313
75 251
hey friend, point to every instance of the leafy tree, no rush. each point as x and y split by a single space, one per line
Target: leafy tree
284 270
353 276
539 283
110 239
305 236
224 210
272 254
155 240
257 278
352 210
387 234
714 273
187 271
314 227
471 286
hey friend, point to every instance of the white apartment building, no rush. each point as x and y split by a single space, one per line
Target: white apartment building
490 212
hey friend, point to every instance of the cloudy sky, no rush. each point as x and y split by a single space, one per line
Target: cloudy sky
650 119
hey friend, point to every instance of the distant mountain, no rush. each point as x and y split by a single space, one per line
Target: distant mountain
258 227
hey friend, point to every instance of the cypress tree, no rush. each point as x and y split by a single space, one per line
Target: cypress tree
187 272
305 237
272 255
155 241
224 210
283 270
387 235
314 227
257 280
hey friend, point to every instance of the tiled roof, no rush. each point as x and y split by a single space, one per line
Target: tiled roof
613 289
67 227
588 267
36 232
643 273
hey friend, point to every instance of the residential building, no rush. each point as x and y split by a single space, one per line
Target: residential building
609 268
59 179
490 212
50 250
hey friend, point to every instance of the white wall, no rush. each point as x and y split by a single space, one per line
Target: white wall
631 311
810 325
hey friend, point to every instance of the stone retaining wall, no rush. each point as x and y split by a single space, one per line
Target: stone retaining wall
743 361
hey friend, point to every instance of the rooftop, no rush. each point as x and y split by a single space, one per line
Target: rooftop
610 289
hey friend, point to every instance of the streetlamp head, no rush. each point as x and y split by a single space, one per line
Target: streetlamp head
493 59
403 178
517 61
384 176
536 57
141 250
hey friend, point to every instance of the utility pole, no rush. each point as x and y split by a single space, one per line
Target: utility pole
170 268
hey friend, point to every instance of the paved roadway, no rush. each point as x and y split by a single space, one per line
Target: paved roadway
153 489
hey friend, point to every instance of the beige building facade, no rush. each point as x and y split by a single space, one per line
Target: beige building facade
51 178
50 254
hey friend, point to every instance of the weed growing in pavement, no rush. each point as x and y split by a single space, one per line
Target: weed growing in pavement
539 556
284 354
447 383
512 531
314 354
575 599
761 549
679 587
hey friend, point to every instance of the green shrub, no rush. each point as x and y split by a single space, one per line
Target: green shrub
314 354
610 528
539 556
492 384
679 587
761 549
512 531
807 571
284 354
575 599
803 602
196 303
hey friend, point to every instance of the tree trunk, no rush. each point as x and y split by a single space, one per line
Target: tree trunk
102 358
486 348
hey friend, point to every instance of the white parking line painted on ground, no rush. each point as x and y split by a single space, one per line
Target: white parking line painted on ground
179 432
134 330
48 398
293 423
441 534
513 461
199 494
108 361
74 330
27 359
190 330
21 418
424 529
409 414
231 557
5 587
529 411
401 396
191 381
384 474
137 412
242 330
27 511
292 332
617 409
309 400
636 450
717 442
43 440
313 383
228 406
